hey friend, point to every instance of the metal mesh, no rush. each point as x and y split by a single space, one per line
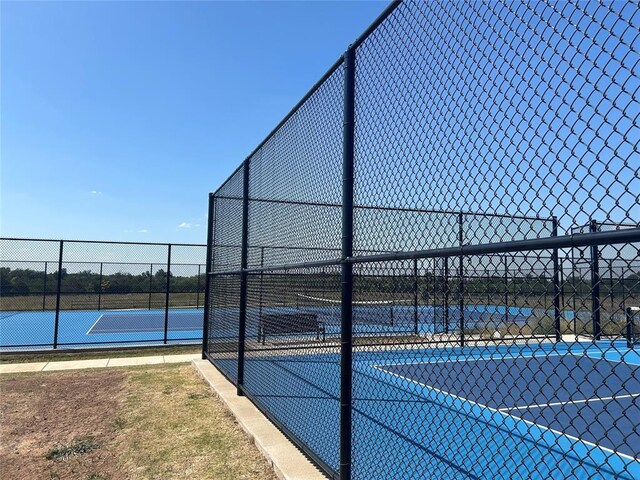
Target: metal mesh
447 286
74 294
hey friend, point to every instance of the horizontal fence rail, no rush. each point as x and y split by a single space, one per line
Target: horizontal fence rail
430 268
64 294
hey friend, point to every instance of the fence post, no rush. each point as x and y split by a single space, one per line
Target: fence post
242 321
461 280
150 283
166 296
262 281
446 295
198 290
415 296
44 288
506 291
100 288
556 286
346 331
57 317
207 277
595 285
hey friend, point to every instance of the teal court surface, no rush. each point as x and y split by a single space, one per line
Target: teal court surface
78 328
483 412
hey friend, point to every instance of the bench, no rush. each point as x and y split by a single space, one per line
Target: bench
289 323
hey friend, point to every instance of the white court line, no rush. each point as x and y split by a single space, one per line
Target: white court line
567 402
94 324
543 427
467 359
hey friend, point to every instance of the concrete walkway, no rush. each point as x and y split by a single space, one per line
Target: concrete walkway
97 363
287 461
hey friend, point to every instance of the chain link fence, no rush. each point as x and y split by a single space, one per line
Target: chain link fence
72 294
430 269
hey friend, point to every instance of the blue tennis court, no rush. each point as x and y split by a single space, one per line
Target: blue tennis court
476 412
84 328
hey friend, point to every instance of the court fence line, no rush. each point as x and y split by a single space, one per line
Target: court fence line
461 184
100 276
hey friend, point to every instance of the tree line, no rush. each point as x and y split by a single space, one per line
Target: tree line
20 282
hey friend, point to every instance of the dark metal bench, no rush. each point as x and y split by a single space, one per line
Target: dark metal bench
289 323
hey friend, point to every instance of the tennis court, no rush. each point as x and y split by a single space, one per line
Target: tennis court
84 328
480 412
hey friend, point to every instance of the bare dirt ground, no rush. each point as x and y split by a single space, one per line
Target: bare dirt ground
155 422
43 412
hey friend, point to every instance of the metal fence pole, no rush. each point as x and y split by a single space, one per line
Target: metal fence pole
100 288
44 288
556 287
150 283
242 321
415 296
198 290
207 277
446 295
506 291
59 285
461 279
166 296
595 285
346 331
262 281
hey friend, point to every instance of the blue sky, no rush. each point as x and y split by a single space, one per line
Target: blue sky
117 118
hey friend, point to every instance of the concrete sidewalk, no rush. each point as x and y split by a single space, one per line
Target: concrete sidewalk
97 363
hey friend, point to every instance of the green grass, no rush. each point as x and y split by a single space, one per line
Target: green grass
78 446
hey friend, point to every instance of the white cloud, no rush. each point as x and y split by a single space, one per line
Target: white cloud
96 192
144 230
185 225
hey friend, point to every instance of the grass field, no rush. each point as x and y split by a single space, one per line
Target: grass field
89 301
155 422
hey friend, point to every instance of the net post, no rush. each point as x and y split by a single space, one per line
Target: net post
242 320
461 280
100 288
595 285
557 327
59 285
346 331
166 296
207 276
629 327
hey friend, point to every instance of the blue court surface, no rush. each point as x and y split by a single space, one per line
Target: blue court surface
86 328
565 410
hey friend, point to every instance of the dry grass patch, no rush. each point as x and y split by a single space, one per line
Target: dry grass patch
151 422
171 426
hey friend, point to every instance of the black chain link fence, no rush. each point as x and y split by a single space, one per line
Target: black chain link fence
60 294
430 269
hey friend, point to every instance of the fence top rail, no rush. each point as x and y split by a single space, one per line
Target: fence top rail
107 242
394 209
160 263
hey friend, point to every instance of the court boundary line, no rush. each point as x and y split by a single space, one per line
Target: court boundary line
94 324
567 402
469 359
544 427
138 330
